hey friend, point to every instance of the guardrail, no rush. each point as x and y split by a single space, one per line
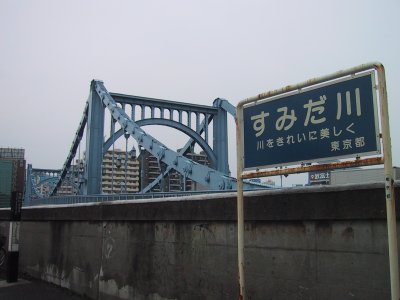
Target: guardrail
58 200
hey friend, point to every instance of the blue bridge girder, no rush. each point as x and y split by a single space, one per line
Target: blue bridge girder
74 147
170 123
182 151
38 177
210 113
153 112
204 175
216 113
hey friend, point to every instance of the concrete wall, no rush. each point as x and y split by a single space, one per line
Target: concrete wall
315 243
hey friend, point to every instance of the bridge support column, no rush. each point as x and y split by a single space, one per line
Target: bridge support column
220 138
94 144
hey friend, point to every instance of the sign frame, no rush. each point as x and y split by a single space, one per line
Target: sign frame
312 88
385 159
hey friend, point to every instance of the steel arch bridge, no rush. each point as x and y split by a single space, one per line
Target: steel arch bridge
193 120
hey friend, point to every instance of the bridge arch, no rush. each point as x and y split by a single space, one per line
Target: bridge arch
169 123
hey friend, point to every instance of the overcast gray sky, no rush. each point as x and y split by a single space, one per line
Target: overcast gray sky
192 51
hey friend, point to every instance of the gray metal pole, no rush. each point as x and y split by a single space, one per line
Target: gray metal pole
389 187
240 207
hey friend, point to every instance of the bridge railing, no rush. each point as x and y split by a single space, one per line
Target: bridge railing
114 197
59 200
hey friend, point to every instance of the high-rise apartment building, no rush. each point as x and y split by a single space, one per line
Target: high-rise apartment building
150 169
120 173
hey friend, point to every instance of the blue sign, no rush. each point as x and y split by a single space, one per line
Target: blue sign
335 120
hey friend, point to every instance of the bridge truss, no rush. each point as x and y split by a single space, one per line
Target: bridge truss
195 121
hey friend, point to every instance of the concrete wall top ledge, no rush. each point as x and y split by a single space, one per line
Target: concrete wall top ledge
361 201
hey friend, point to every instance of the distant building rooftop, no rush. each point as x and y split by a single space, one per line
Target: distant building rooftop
12 153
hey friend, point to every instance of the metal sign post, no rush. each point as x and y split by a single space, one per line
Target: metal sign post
334 117
240 208
389 187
